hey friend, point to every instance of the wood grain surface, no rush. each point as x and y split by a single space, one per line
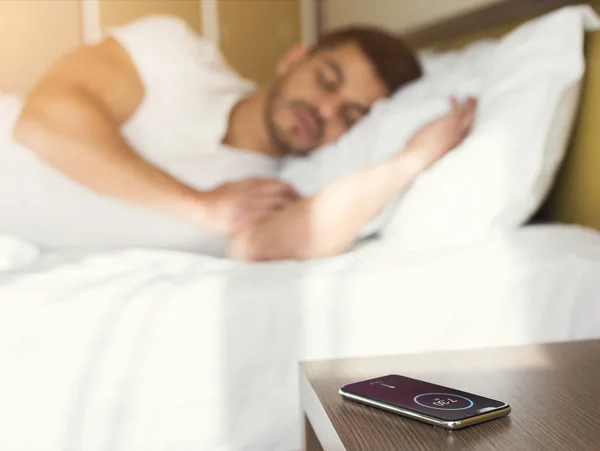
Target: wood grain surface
553 389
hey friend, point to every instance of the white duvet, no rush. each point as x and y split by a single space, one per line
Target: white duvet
150 350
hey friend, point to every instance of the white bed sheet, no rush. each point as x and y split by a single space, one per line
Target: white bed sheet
152 350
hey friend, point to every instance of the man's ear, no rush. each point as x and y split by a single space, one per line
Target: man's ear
298 52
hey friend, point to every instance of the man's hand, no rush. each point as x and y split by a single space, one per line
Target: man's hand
442 135
234 206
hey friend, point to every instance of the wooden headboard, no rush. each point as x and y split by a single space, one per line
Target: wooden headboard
575 197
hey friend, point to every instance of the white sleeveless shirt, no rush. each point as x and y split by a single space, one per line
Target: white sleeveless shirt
189 93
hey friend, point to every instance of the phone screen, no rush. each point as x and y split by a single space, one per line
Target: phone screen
436 401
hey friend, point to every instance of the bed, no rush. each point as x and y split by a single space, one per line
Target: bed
140 349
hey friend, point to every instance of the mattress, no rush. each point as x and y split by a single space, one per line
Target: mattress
139 349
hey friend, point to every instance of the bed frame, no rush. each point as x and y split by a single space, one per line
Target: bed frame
500 16
575 197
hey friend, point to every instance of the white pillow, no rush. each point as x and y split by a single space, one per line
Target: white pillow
526 83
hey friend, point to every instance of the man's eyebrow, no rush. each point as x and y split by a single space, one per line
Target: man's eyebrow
335 67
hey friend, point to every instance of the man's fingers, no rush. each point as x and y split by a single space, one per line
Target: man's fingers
256 216
456 109
269 202
257 213
292 194
250 219
270 183
258 182
470 106
465 107
467 113
275 187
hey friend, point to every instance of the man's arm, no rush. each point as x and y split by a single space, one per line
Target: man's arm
329 222
72 120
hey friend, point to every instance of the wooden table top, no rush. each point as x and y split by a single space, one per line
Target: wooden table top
553 389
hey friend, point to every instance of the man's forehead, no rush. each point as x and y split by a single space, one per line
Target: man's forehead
362 82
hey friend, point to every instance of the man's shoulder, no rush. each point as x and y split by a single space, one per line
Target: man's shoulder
156 25
162 34
160 45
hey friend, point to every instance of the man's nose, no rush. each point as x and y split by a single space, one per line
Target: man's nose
329 107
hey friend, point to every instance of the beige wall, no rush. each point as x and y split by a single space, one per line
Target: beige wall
398 15
119 12
256 33
33 34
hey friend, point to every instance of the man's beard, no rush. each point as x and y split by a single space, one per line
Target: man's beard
282 141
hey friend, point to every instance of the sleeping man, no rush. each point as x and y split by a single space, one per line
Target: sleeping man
120 144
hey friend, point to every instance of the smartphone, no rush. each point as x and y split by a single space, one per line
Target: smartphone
430 403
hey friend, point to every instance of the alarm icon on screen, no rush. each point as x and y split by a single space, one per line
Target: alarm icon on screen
443 401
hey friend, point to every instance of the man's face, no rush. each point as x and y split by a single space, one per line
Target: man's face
317 98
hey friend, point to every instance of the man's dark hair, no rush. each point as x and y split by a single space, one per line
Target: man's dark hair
395 64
